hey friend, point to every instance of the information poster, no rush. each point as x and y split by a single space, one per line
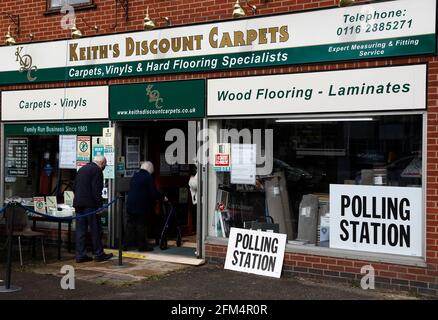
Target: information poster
243 164
17 157
84 148
51 204
222 157
108 137
39 204
97 147
67 151
68 198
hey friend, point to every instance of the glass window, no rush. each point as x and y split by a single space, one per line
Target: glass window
305 157
55 4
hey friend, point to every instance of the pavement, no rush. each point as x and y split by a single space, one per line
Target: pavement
145 279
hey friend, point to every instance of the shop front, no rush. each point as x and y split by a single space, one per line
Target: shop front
335 160
314 121
159 122
47 135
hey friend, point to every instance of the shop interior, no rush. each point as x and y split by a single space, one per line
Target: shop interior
145 141
308 156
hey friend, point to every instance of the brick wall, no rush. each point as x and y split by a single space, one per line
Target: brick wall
47 27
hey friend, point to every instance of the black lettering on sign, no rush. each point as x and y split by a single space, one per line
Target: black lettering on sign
345 203
356 207
344 225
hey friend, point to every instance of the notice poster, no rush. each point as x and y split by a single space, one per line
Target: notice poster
39 204
109 172
222 157
51 204
108 137
243 164
97 147
84 148
256 252
379 219
17 154
68 198
67 151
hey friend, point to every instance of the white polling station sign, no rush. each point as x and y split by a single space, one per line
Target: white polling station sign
380 219
256 252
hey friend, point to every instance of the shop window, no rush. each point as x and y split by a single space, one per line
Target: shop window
293 193
56 5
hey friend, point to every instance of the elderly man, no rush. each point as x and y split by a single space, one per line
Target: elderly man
140 205
88 198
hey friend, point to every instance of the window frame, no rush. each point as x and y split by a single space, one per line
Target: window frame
334 252
89 5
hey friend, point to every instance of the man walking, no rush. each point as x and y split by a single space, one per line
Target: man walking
88 198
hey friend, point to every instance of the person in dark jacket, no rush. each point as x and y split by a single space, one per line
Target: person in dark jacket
88 198
140 206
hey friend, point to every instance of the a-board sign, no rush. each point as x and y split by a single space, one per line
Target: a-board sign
256 252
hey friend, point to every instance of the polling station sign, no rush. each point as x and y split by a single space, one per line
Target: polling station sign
379 219
256 252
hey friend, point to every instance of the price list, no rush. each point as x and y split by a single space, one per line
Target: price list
17 157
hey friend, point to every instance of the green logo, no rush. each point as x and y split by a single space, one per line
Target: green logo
83 146
154 96
40 205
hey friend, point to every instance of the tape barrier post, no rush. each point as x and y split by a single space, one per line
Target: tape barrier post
7 288
120 233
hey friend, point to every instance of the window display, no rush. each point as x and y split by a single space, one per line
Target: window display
309 157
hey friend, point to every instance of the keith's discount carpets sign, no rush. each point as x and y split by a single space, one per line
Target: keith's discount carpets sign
376 30
377 219
255 252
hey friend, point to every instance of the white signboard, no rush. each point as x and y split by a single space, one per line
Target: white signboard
243 164
256 252
375 30
377 219
55 104
67 151
376 89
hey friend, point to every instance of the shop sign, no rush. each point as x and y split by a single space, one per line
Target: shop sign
54 129
256 252
55 104
372 89
158 100
379 219
17 157
376 30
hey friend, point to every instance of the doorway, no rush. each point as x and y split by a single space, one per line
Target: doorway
146 141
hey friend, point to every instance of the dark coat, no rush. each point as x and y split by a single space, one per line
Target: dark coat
142 194
88 187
